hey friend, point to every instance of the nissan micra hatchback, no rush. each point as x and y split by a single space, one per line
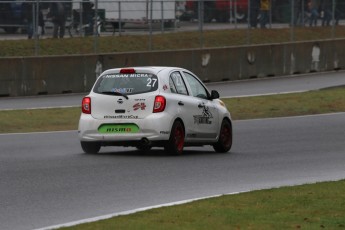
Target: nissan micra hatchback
148 107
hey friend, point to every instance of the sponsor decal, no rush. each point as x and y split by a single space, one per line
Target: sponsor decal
202 120
165 87
164 132
205 118
120 111
139 99
118 128
120 117
122 75
141 106
122 90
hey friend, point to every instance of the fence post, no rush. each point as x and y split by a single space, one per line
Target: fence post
230 12
35 18
120 23
201 22
292 21
95 28
81 19
150 25
333 19
248 23
162 17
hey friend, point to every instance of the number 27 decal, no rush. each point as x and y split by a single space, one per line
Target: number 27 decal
151 82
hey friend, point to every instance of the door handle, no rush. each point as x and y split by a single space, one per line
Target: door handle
180 103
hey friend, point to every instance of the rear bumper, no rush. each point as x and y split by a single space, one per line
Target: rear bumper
154 128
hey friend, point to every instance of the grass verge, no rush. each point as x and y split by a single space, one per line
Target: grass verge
39 120
282 105
313 102
313 206
166 41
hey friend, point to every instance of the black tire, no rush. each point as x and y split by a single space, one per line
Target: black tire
224 142
90 147
176 140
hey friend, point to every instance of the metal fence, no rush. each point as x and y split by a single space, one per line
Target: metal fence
32 18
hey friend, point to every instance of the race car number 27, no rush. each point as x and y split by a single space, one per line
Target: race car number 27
151 82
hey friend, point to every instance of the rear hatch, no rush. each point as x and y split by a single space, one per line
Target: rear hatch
124 96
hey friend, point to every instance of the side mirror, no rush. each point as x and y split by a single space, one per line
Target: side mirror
214 94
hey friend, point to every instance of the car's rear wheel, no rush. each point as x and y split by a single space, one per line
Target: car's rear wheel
90 147
176 141
224 142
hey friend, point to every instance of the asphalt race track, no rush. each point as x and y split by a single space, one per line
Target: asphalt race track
47 180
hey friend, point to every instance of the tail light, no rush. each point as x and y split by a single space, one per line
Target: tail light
86 105
159 104
128 70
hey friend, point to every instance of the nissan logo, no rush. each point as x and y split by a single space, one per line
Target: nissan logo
120 101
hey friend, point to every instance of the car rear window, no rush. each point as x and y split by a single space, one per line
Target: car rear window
133 83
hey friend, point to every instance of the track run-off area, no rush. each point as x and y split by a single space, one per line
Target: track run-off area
46 180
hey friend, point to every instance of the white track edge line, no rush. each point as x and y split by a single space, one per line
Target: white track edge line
108 216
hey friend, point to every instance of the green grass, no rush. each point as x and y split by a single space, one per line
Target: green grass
313 102
312 206
308 103
166 41
36 120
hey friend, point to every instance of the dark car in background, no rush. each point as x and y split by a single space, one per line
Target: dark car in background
11 15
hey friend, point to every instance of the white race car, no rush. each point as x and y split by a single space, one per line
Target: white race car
149 107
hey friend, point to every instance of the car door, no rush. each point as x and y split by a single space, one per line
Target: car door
204 112
185 103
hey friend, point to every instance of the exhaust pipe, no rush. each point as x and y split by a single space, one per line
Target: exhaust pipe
144 145
145 142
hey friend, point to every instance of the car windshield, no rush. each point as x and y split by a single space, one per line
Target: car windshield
126 84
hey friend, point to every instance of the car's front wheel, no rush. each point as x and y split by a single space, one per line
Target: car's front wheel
90 147
224 142
176 141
